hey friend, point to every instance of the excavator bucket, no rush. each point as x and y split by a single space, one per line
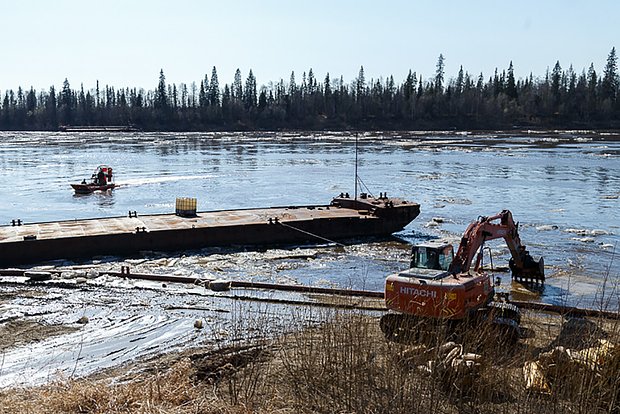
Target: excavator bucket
531 271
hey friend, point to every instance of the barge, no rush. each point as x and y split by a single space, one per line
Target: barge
344 218
101 128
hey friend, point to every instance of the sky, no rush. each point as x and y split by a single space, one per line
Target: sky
125 43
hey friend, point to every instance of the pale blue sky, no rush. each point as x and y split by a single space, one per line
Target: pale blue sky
126 42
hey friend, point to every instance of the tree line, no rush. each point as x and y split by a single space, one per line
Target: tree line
562 98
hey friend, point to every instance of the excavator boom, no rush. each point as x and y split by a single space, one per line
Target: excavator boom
522 265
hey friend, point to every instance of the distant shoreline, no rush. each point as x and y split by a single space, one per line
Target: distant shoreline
520 129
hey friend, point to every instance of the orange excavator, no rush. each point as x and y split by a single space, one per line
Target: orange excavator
444 286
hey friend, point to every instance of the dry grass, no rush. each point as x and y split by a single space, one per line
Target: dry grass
344 365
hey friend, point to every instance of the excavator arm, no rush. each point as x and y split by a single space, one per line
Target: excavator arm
502 225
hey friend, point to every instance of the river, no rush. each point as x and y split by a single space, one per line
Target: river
563 187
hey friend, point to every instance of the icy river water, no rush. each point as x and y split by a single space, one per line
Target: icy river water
563 187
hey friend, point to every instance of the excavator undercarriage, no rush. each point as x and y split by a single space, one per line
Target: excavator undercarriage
497 319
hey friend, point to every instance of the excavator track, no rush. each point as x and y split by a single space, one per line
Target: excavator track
498 319
411 329
408 329
396 327
504 319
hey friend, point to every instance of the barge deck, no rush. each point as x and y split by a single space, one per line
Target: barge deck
343 218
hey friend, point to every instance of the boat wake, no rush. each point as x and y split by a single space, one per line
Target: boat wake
157 180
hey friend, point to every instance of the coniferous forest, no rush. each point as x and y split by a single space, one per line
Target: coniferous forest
560 98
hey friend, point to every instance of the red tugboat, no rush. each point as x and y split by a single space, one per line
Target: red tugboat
101 180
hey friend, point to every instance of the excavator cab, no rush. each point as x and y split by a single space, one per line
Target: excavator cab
432 255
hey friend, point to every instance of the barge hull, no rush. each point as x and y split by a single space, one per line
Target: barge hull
122 236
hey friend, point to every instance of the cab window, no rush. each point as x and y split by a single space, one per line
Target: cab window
424 258
445 258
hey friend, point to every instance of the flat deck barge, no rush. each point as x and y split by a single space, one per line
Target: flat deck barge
343 218
101 128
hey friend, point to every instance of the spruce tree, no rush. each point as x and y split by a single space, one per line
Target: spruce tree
439 74
250 91
409 86
556 77
237 88
161 95
292 86
460 80
262 99
66 111
511 87
51 108
327 88
609 85
311 82
360 85
203 101
31 101
214 89
592 99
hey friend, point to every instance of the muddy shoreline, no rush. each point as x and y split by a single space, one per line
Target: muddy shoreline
264 372
85 322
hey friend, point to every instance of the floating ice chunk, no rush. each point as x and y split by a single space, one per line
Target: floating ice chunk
584 239
586 232
547 227
68 274
452 200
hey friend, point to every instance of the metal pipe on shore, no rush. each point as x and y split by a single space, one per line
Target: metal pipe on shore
222 285
240 284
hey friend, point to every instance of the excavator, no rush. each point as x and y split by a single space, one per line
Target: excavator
441 286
